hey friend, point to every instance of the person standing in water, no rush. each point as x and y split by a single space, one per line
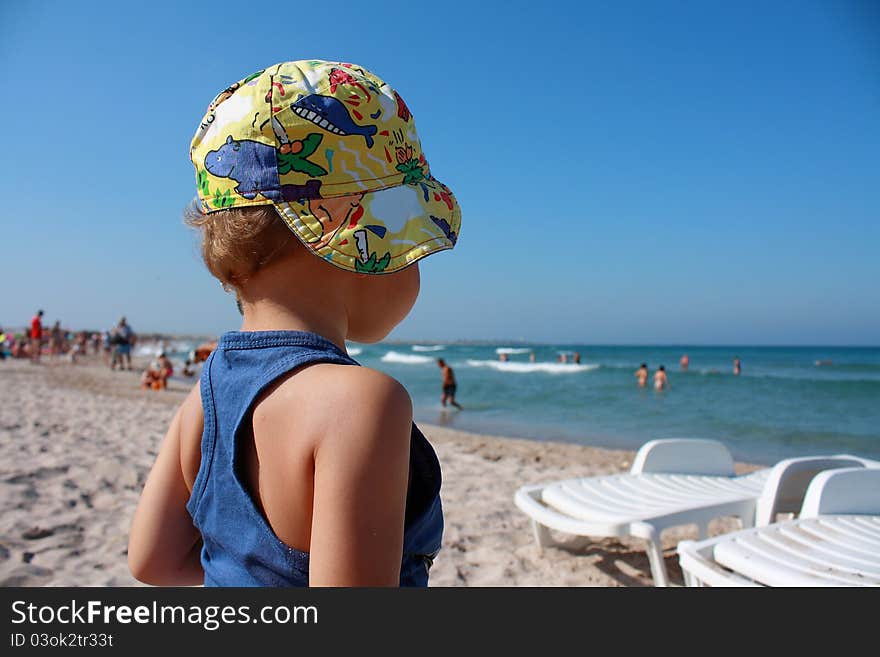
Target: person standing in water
449 384
642 375
661 381
685 361
737 366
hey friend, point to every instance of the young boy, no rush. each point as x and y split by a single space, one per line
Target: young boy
289 465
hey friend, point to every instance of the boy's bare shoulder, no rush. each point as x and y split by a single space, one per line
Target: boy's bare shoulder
337 383
342 394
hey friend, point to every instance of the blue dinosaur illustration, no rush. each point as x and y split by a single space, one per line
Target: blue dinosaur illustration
330 114
252 164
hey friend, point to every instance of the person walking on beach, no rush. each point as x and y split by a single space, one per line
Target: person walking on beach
56 339
449 384
122 338
642 375
36 336
313 473
737 366
80 346
661 381
685 361
107 349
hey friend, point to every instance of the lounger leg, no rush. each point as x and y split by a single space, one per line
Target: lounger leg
655 552
658 566
542 535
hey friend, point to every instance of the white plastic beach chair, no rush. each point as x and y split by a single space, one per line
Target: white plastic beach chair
672 482
835 541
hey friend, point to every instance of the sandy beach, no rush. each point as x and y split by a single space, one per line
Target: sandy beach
77 441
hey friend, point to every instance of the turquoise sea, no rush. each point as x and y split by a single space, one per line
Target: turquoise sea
788 401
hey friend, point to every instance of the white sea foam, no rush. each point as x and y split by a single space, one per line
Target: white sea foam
153 349
435 347
406 359
511 350
145 350
520 368
353 351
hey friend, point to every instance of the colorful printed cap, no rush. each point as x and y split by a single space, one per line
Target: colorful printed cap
335 150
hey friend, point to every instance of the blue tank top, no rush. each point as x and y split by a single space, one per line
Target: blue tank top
239 547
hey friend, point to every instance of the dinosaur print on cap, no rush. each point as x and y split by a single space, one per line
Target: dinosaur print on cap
331 115
334 148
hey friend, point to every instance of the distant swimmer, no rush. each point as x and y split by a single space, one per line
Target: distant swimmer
502 357
532 357
642 375
661 382
449 384
577 358
737 366
685 361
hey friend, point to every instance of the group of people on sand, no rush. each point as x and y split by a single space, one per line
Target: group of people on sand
55 342
39 340
156 376
661 380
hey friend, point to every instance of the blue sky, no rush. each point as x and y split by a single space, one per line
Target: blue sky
647 172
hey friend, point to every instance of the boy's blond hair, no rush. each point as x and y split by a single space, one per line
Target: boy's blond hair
238 242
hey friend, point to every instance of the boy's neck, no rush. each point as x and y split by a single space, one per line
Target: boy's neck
267 315
271 302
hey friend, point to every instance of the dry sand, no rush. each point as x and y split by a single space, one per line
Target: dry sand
77 441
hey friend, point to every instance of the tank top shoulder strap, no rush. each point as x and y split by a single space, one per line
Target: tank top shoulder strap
242 366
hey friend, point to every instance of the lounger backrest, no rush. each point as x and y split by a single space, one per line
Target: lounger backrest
787 484
684 456
848 490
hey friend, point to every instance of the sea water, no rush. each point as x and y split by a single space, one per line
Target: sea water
787 401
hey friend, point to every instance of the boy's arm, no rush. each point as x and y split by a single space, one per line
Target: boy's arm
164 545
361 474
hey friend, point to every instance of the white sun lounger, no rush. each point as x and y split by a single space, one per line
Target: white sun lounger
672 482
835 541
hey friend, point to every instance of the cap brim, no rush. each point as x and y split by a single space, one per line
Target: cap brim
377 232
